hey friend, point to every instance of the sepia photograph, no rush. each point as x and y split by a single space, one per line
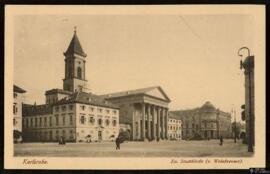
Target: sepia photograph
182 85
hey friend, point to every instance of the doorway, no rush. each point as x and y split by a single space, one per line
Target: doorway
99 135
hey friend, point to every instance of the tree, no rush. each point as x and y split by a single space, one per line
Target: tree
236 128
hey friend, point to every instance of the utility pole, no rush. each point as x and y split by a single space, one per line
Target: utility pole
234 127
248 65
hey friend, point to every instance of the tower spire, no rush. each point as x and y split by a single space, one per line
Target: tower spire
75 29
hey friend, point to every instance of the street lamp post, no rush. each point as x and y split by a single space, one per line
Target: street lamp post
248 68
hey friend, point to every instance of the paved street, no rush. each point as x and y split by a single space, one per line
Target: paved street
136 149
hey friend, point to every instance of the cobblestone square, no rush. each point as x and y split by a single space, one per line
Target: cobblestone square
182 148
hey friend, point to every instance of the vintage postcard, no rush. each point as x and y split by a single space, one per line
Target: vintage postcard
134 87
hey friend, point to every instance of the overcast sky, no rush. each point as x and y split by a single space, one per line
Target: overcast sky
193 58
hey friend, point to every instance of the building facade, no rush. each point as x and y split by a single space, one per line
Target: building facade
174 127
17 111
75 119
71 112
206 122
145 110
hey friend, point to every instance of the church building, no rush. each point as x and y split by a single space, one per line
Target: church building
71 112
144 110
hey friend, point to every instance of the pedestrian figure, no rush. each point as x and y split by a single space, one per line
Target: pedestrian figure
117 142
221 140
62 141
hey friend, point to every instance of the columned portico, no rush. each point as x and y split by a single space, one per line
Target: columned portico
144 109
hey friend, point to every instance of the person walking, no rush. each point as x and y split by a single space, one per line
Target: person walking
221 141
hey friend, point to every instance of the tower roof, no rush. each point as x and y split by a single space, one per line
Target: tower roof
75 46
208 106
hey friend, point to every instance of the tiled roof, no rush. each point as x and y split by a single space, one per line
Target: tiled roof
61 91
87 98
134 92
206 107
184 113
173 116
34 110
18 89
75 47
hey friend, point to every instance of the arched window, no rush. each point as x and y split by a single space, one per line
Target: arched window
79 72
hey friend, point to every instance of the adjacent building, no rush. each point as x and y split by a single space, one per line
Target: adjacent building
17 111
71 112
174 127
144 110
206 122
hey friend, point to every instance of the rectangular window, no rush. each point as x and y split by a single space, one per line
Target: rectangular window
64 119
45 121
70 107
82 119
82 107
108 111
56 120
36 122
70 120
15 108
56 108
63 108
99 110
14 122
40 121
15 95
91 109
50 121
31 122
114 112
70 134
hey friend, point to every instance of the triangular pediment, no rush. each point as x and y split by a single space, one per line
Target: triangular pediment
158 93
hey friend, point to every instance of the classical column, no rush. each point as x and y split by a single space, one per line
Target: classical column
153 121
166 123
143 122
148 122
158 123
162 123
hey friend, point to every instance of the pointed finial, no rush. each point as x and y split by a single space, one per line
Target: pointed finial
75 29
